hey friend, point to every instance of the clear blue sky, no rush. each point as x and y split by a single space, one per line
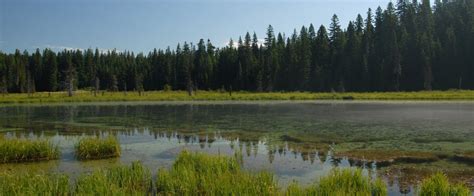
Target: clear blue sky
141 25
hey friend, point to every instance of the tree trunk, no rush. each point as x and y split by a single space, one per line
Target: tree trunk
70 89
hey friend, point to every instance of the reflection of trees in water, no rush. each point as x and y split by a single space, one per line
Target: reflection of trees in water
397 180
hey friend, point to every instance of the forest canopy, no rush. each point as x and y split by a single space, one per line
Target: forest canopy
408 46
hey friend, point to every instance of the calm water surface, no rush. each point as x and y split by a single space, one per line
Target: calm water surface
295 140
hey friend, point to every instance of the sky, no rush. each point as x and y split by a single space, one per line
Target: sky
141 25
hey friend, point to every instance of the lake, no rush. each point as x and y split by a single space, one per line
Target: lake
295 140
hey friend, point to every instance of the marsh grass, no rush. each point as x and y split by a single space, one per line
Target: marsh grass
97 148
121 180
439 185
200 174
350 182
341 182
25 150
34 184
85 96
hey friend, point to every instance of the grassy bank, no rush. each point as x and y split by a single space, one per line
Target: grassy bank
23 150
97 148
200 174
85 96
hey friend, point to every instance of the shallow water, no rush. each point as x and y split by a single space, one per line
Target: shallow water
295 140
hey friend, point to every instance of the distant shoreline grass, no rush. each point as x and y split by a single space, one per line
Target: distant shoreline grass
86 96
203 174
23 150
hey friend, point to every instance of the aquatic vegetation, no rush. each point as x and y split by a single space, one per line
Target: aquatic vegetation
25 150
121 180
97 148
383 156
341 182
200 174
467 157
349 182
34 184
438 184
86 96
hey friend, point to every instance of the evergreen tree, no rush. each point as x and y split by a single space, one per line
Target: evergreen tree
322 53
425 43
409 47
337 39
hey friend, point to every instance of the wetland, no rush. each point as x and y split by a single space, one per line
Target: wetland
401 142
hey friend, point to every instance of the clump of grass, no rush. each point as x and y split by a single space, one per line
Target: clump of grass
349 182
24 150
97 148
438 184
121 180
342 182
34 184
199 174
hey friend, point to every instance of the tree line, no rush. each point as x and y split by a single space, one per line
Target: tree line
409 46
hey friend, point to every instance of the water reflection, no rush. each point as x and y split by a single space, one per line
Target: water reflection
293 140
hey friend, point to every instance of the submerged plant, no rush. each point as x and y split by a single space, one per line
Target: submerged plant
439 185
121 180
24 150
97 148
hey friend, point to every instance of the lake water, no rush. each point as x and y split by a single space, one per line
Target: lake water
295 140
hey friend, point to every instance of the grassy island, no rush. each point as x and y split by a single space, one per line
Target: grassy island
24 150
97 148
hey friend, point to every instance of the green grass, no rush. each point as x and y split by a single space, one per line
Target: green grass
85 96
34 184
200 174
438 185
120 180
350 182
24 150
97 148
342 182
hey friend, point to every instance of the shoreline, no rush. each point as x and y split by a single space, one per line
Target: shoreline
215 96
